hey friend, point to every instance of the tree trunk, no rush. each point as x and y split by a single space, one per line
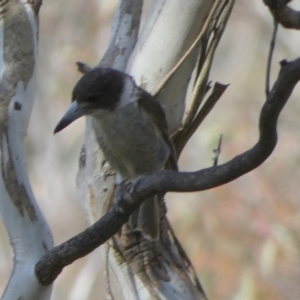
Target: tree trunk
28 231
147 270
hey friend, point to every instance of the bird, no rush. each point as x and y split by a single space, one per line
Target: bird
131 129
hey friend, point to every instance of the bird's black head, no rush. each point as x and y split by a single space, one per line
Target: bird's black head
98 89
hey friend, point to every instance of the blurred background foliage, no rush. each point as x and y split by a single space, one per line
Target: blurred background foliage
244 237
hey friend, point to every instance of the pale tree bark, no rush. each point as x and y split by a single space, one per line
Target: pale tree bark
171 29
27 229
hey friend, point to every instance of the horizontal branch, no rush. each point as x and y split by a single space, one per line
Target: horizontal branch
131 195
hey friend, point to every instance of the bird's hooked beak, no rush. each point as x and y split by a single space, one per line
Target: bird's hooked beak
73 113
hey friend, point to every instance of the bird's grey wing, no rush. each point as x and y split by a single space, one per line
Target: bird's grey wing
147 216
157 116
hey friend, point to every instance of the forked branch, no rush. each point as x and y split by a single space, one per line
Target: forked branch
283 14
132 194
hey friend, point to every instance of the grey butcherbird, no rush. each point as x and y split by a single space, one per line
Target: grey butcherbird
131 130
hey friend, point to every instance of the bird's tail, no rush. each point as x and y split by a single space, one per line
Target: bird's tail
146 219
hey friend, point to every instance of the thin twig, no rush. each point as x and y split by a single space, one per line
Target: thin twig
271 51
203 75
217 152
181 137
193 120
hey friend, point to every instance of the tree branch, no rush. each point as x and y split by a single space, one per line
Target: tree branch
132 194
283 14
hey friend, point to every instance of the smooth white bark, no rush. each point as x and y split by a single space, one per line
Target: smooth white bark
28 231
171 28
